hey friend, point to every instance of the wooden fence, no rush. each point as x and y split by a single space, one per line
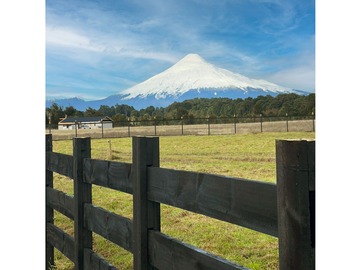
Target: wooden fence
285 210
203 126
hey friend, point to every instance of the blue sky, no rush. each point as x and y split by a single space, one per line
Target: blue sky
98 48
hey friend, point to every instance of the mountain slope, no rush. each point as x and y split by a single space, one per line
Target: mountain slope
194 73
191 77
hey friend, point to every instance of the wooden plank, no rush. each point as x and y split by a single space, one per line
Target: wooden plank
61 240
110 174
146 214
61 202
82 195
166 253
49 212
93 261
60 163
295 169
113 227
311 165
247 203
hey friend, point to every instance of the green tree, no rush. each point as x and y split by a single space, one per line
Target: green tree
55 112
91 112
71 111
105 110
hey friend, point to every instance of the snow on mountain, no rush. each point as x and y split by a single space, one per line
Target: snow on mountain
191 77
194 73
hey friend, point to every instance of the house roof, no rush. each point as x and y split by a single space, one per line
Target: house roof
85 119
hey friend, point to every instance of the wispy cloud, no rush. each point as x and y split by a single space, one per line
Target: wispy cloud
68 38
134 40
108 46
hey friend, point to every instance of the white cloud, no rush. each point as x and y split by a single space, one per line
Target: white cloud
107 45
69 38
141 39
300 78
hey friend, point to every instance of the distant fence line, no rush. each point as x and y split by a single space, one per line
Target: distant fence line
191 126
285 210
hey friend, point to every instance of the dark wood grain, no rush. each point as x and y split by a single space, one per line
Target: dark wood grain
113 227
110 174
49 212
146 214
82 193
61 240
60 163
167 253
93 261
247 203
295 173
61 202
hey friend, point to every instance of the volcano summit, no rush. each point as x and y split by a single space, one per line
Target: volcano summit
194 73
191 77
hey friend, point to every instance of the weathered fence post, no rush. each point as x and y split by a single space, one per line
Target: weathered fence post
155 125
235 123
49 211
128 127
295 171
146 214
82 195
75 128
208 120
182 125
313 121
102 128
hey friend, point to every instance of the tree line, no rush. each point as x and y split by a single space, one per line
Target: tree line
280 105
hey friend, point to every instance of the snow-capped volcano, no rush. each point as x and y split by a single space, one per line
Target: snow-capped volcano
194 73
191 77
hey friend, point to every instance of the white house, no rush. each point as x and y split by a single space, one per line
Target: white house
93 122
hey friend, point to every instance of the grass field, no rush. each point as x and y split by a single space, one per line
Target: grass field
250 156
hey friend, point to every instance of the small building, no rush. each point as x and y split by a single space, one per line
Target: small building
92 122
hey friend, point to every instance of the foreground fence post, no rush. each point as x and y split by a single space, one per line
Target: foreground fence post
49 214
146 214
82 195
295 161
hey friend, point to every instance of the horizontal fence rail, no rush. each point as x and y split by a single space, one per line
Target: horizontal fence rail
169 253
112 227
110 174
61 240
60 163
252 204
243 202
189 126
61 202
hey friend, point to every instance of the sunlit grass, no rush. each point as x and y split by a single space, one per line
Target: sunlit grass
250 156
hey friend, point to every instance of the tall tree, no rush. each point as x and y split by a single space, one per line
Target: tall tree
91 112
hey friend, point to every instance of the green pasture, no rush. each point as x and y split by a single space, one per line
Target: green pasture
250 156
